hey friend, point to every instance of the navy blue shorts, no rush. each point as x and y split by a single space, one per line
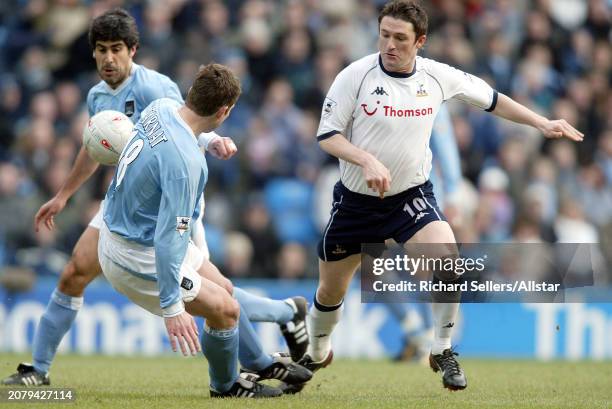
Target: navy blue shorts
357 218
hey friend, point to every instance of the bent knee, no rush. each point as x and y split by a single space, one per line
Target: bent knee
85 261
329 295
76 276
231 310
226 313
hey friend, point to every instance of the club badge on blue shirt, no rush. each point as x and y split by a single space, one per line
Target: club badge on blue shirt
129 108
182 224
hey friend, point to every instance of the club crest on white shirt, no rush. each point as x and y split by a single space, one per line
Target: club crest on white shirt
182 224
421 92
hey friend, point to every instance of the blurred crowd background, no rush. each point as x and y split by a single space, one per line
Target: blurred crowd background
266 207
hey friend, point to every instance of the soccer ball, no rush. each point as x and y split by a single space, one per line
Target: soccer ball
105 135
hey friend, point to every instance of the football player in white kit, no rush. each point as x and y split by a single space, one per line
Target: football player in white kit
377 119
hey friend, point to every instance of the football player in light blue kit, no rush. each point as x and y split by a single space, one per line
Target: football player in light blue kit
145 249
129 88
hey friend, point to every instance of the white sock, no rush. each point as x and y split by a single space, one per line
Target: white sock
321 321
444 315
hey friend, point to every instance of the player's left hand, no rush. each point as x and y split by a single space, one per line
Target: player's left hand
559 128
182 330
222 147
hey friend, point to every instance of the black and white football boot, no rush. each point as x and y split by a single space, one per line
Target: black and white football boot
246 386
26 375
295 331
311 365
453 377
283 369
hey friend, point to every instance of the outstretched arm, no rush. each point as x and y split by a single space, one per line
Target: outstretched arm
509 109
82 170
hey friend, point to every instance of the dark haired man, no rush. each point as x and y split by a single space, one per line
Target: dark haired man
144 247
377 119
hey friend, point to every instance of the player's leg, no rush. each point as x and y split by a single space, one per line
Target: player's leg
255 360
264 309
221 342
251 354
444 314
220 335
201 297
334 280
67 299
290 314
259 309
325 312
61 310
445 305
339 256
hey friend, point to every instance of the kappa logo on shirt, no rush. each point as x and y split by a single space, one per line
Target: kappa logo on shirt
182 224
379 91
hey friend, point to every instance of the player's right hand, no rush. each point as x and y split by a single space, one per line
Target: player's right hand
182 328
47 212
222 147
377 176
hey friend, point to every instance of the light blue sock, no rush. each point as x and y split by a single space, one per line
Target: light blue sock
221 350
263 309
251 353
54 324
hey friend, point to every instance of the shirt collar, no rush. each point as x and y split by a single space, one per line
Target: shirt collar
396 74
124 83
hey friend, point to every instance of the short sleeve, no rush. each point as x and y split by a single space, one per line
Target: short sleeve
338 106
165 88
461 85
90 103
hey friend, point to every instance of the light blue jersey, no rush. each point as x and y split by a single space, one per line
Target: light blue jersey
142 87
137 91
446 172
156 189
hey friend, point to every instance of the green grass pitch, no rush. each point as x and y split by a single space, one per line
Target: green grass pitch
176 382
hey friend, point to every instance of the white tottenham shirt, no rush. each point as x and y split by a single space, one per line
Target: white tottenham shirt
391 115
